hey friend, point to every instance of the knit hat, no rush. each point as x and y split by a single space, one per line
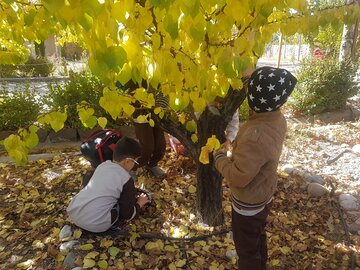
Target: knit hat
269 88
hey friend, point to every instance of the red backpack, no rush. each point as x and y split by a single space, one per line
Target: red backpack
99 146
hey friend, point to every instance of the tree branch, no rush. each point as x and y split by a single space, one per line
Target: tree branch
179 131
232 102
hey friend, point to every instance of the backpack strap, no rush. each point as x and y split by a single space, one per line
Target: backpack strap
93 134
104 140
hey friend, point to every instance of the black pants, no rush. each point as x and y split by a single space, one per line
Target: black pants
152 143
250 239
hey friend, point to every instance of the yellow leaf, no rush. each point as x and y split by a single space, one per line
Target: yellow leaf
194 138
182 118
157 110
88 263
77 234
26 264
35 223
86 247
172 266
180 263
200 243
103 256
151 123
133 236
158 245
55 231
103 264
42 162
285 250
213 143
60 257
204 155
192 189
106 243
102 121
91 255
275 262
169 248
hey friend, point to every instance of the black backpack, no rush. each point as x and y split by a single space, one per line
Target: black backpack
99 146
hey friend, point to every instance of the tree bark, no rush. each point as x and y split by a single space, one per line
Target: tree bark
209 194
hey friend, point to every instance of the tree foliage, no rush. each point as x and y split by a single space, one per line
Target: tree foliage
191 51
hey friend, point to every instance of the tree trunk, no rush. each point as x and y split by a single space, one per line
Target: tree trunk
209 180
348 41
209 194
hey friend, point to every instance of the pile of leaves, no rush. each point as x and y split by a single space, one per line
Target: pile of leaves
304 232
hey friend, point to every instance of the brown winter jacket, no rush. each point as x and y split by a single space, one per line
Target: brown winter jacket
251 171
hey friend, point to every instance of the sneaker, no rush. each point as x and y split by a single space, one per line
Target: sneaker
157 171
133 175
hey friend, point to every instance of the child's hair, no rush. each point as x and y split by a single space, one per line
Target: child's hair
125 148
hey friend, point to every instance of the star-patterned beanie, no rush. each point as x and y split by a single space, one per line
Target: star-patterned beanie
269 88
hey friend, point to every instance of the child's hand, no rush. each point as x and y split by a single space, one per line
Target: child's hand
219 153
226 145
142 200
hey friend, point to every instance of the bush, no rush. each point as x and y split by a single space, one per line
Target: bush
81 86
323 85
34 67
18 108
37 67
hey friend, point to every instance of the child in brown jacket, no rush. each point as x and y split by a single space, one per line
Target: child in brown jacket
251 170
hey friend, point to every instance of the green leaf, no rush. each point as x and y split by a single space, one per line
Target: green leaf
191 126
88 263
125 74
29 17
86 247
31 140
115 57
103 264
171 26
90 122
113 251
54 5
86 21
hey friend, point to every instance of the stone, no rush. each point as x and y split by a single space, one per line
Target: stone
354 228
356 148
315 179
346 196
349 204
288 168
67 246
77 268
317 190
303 187
65 232
302 173
69 262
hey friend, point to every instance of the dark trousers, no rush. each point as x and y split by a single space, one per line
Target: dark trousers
250 239
152 143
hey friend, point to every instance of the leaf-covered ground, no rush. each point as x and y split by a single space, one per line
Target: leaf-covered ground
304 232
